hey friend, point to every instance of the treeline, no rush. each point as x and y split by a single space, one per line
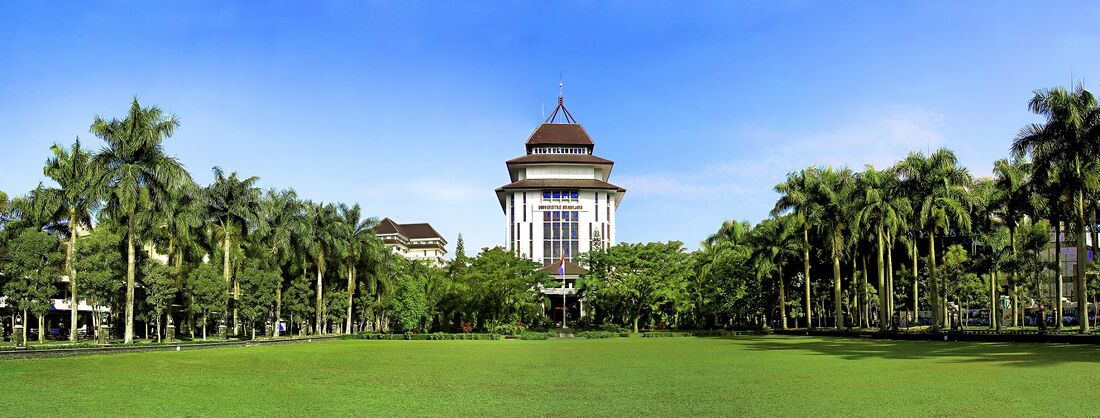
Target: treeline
876 247
126 230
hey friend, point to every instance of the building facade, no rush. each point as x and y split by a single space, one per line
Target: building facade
559 202
413 241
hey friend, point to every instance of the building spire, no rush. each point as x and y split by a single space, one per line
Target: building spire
560 88
568 118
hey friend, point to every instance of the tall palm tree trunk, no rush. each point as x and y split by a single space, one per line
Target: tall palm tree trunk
319 300
73 304
351 295
837 308
1058 308
916 292
131 263
1015 285
278 309
1092 249
933 281
883 318
227 273
782 299
806 274
890 276
1082 266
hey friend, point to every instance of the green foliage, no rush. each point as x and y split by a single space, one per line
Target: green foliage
99 261
208 288
160 285
258 283
599 334
533 335
31 264
298 299
646 279
500 287
410 301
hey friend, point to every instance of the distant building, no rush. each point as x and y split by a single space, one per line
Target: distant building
413 241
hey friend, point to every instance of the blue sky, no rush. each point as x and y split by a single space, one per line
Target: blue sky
411 109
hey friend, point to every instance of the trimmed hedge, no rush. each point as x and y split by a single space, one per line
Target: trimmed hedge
422 337
701 333
601 334
529 335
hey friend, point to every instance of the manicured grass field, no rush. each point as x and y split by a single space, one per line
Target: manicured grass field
768 376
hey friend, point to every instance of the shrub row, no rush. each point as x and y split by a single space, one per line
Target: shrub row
601 334
531 335
422 337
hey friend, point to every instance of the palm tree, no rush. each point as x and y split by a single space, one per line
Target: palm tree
795 196
774 241
285 225
939 186
136 172
881 211
232 204
76 199
180 217
1068 141
1011 203
357 233
830 194
325 227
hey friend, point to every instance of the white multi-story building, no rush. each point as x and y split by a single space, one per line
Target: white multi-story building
559 201
413 241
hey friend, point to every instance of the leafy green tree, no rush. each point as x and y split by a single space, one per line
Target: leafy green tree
646 276
135 172
503 286
100 264
209 290
258 283
299 298
1032 239
160 289
410 300
32 264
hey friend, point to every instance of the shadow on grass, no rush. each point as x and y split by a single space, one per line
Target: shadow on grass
1008 354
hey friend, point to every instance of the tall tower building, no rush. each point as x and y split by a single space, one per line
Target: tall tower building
559 203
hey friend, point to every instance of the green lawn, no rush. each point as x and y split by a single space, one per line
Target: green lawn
769 376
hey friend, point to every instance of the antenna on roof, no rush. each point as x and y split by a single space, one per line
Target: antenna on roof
568 118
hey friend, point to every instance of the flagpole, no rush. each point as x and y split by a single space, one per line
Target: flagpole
561 271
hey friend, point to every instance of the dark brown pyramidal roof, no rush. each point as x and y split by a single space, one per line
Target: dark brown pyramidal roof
560 134
410 231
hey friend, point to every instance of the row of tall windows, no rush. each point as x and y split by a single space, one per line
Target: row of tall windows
560 232
560 195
